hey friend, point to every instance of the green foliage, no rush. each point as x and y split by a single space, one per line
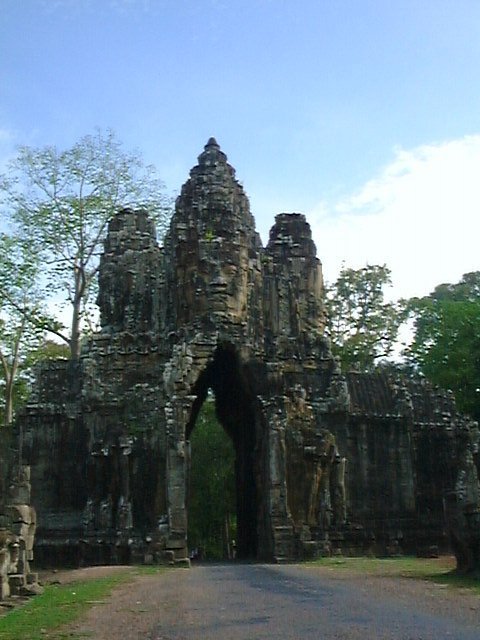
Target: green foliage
59 203
361 325
48 350
211 507
20 301
209 235
446 345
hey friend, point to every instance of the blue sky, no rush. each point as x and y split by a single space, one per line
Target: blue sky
364 115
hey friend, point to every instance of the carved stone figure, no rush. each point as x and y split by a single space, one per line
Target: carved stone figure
17 535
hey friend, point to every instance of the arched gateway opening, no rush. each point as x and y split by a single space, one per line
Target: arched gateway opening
210 501
236 411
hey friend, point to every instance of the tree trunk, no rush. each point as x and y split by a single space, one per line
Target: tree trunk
8 417
75 337
80 286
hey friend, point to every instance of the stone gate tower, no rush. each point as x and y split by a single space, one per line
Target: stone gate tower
107 438
211 310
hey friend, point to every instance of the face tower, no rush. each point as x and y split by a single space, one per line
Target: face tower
214 313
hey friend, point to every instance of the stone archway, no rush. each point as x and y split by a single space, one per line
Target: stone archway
236 412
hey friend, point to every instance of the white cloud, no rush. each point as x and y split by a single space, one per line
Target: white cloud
420 215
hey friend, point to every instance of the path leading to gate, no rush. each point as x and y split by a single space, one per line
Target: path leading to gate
253 602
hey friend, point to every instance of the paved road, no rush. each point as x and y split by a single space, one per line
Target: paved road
255 602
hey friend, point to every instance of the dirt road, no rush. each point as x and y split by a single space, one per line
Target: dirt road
254 602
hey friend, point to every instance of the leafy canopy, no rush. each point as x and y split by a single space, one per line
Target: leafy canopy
362 326
446 344
58 204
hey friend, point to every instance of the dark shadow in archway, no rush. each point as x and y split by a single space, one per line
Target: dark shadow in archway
235 409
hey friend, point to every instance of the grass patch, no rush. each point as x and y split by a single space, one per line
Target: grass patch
43 616
457 581
439 570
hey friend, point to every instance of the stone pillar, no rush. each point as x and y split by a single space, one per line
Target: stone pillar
177 413
338 493
281 521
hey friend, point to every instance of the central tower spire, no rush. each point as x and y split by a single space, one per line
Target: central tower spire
213 160
212 243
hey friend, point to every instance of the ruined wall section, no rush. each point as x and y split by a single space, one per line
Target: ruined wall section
52 440
446 446
411 476
376 439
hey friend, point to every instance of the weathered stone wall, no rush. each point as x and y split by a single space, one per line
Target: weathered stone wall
53 440
415 486
323 460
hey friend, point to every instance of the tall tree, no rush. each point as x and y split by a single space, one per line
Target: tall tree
21 318
59 203
362 326
446 344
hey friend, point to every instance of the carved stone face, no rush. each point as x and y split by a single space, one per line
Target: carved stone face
211 235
